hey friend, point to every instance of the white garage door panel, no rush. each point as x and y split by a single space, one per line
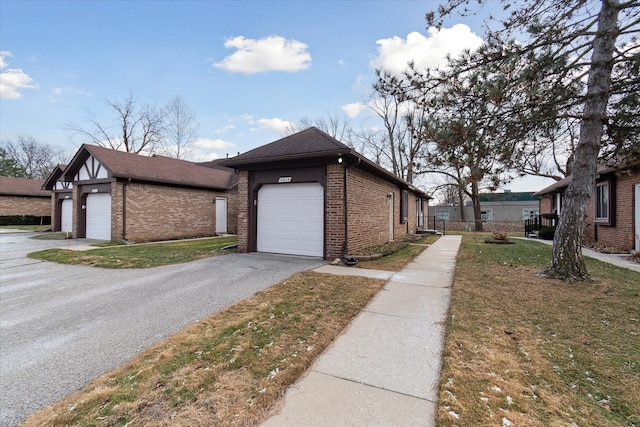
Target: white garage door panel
66 216
291 219
99 216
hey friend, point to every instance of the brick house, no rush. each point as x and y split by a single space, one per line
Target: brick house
61 200
613 215
24 197
309 194
124 196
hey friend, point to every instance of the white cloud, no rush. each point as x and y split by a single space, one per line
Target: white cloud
276 124
354 109
273 53
361 84
395 53
4 54
13 79
212 144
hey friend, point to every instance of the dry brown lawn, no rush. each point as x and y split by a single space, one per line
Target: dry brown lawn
525 351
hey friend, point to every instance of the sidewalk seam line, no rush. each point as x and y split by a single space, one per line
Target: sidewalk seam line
373 386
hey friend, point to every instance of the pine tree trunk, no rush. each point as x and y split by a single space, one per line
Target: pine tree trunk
477 213
567 262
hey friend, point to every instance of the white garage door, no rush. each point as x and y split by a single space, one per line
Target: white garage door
291 219
99 216
66 216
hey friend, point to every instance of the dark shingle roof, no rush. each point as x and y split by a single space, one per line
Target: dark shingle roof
554 188
53 177
22 187
308 144
157 169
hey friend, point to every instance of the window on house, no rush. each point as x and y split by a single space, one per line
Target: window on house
404 207
603 206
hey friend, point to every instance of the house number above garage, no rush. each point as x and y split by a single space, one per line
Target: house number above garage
284 179
91 169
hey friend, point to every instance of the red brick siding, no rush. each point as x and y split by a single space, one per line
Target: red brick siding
155 212
546 205
24 205
622 235
77 213
55 213
242 210
334 212
368 214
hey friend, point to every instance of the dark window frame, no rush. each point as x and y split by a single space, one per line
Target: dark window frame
604 210
404 207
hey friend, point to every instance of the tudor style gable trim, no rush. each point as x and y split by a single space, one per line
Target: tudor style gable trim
91 169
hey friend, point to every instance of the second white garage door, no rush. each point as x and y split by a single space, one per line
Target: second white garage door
99 216
291 219
66 217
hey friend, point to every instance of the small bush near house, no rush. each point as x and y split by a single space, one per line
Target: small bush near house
25 220
547 233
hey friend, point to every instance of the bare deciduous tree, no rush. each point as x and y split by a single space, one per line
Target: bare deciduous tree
134 128
180 130
32 159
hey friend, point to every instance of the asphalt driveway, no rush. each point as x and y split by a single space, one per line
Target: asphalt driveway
61 326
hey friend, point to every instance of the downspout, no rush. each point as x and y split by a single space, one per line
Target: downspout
124 209
349 260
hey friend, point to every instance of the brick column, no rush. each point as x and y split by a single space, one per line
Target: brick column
243 211
334 214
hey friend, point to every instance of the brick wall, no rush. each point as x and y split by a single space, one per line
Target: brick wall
546 204
334 214
368 214
242 209
155 212
118 227
77 214
622 235
19 205
55 212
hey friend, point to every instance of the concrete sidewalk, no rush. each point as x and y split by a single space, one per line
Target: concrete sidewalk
619 260
384 369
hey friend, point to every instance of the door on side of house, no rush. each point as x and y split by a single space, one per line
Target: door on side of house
637 217
221 215
98 215
66 216
290 219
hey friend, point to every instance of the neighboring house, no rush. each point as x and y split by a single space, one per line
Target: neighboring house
613 215
24 197
61 200
496 207
124 196
309 194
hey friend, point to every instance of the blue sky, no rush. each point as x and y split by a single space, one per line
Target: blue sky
245 68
